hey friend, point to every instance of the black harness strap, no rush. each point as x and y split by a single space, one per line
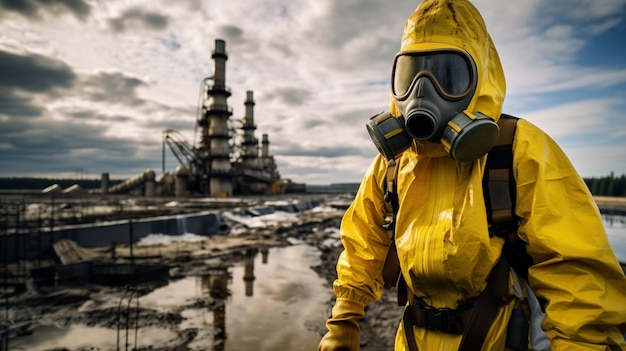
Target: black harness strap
472 319
499 181
500 192
391 269
487 306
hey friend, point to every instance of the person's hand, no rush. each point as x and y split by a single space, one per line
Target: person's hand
343 327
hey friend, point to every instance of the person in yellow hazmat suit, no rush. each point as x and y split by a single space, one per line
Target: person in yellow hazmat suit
448 73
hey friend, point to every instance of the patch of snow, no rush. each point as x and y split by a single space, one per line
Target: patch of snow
323 208
164 239
261 221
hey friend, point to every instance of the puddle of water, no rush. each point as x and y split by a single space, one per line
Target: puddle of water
80 337
286 296
265 302
177 293
273 296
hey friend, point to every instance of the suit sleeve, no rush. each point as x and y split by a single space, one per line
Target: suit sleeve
574 268
364 240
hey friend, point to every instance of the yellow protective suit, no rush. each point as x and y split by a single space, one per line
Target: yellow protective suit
442 239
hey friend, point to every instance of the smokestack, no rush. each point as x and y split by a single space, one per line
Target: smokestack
219 62
250 142
214 147
249 117
104 183
265 149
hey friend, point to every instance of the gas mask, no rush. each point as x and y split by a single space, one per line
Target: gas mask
432 90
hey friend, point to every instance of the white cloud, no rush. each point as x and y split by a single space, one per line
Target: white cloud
578 118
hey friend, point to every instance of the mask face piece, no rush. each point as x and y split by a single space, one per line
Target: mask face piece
426 112
432 90
430 87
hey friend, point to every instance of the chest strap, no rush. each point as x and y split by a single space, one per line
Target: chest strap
472 319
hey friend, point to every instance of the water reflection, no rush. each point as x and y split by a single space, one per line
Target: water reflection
249 303
248 275
258 303
615 225
287 297
215 284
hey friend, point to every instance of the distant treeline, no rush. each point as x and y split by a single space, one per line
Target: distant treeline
23 183
607 186
334 187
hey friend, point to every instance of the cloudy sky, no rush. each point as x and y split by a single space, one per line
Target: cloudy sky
88 86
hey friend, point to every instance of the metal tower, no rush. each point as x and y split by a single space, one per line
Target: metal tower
250 142
265 149
217 175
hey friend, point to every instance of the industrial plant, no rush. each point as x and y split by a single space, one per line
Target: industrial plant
63 243
227 158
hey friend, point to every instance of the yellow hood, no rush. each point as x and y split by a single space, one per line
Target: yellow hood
441 24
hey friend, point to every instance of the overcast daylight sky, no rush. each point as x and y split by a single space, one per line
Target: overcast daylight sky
88 87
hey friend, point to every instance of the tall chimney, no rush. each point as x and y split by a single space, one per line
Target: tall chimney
104 183
250 142
214 147
265 147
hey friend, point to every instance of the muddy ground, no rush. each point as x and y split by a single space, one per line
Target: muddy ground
70 303
78 302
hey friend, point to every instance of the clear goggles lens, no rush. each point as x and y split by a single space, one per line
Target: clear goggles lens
451 71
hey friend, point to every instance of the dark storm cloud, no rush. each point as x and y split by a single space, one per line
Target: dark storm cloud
332 120
230 33
13 105
33 73
77 113
282 48
178 118
136 17
45 146
358 34
295 149
34 8
25 76
291 96
113 87
346 20
59 138
80 115
311 123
